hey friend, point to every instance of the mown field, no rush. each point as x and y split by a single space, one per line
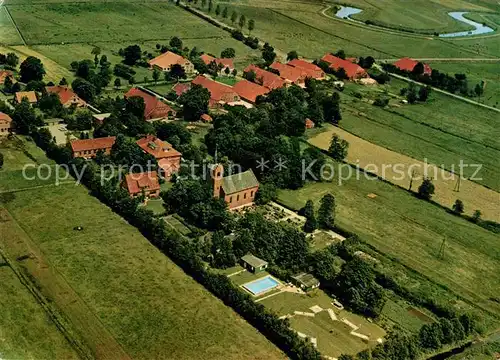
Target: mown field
398 169
411 231
443 130
8 33
26 331
143 301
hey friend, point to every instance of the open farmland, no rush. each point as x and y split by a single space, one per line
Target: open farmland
411 232
123 297
443 130
389 165
8 32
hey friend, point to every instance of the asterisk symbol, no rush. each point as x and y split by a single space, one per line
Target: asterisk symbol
280 164
262 164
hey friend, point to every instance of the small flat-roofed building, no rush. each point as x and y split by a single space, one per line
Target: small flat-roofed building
88 148
29 95
145 183
253 263
5 124
305 281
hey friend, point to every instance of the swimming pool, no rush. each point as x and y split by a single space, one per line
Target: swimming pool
262 285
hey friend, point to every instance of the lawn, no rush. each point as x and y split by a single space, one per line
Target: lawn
26 330
121 294
410 231
333 337
8 33
443 130
177 224
398 313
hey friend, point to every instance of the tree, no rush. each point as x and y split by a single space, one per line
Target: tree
118 83
96 61
430 336
50 104
176 42
479 89
203 3
411 95
83 69
63 82
311 223
250 75
210 5
135 105
104 61
234 72
458 207
224 13
11 60
217 10
268 54
132 54
7 85
292 55
227 71
96 50
228 53
31 69
177 72
418 69
331 108
242 21
84 89
234 16
338 148
267 192
251 26
326 212
426 189
423 93
24 119
195 102
340 54
476 217
222 251
156 75
1 160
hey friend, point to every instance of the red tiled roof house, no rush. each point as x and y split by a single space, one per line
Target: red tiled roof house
237 190
265 78
30 95
224 62
145 183
291 74
4 74
169 159
407 64
220 94
154 108
353 71
66 96
5 124
308 69
249 91
165 61
88 148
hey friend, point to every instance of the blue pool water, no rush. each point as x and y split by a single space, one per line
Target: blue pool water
261 285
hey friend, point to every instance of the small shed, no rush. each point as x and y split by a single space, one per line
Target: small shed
253 263
206 118
305 281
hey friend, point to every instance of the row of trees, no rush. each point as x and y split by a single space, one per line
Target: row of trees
224 12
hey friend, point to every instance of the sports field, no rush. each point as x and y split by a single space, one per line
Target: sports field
412 231
395 168
124 298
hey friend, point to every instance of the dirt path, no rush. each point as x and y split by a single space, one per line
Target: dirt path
380 161
87 334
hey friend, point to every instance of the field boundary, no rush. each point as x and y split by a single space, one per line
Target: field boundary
15 25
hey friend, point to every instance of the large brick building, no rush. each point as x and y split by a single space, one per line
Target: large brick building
154 108
145 183
237 190
353 71
88 148
169 159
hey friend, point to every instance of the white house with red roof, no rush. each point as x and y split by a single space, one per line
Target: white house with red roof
165 61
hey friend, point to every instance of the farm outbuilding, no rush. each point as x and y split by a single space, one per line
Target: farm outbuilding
305 281
253 263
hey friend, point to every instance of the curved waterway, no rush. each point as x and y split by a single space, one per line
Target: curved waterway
346 12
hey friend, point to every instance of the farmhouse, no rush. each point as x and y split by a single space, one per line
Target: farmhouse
4 74
222 62
265 78
407 64
181 88
145 183
29 95
66 96
305 281
5 124
353 71
237 190
154 108
206 118
165 61
88 148
308 69
249 91
253 263
169 159
309 124
291 74
220 94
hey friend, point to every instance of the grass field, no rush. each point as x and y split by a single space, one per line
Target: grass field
385 163
333 337
26 331
443 130
477 72
8 33
411 231
122 294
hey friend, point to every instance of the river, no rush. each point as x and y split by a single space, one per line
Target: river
346 12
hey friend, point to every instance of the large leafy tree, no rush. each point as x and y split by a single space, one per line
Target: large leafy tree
338 148
426 189
132 54
24 118
311 223
326 212
84 89
31 69
195 102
